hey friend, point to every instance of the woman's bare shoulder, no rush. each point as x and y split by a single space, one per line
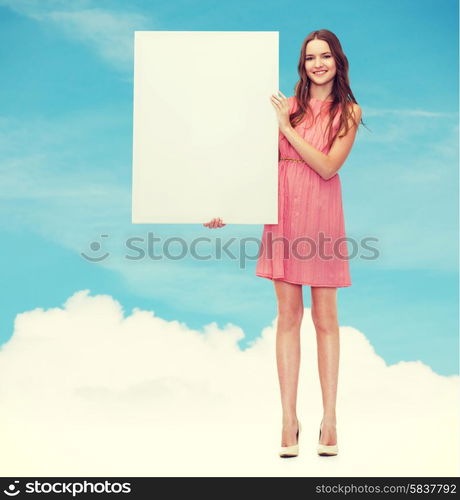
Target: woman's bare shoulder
357 111
354 109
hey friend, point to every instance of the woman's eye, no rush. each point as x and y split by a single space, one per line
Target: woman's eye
308 58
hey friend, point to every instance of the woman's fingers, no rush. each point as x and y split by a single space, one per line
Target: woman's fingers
214 223
278 101
277 96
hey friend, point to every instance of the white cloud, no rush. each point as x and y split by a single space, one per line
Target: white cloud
87 390
110 33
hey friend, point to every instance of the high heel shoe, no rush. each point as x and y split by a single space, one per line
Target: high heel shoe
293 450
326 449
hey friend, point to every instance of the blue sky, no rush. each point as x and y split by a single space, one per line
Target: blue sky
65 159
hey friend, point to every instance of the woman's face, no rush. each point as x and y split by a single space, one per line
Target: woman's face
319 57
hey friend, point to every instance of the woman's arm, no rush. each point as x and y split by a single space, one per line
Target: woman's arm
326 165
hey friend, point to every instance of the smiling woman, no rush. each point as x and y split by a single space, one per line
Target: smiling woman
317 129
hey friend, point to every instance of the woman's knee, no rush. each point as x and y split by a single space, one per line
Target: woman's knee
290 316
326 323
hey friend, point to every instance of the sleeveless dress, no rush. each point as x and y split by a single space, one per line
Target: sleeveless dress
308 245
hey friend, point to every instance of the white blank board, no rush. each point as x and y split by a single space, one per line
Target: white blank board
205 134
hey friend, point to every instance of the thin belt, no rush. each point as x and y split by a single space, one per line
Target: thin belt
292 159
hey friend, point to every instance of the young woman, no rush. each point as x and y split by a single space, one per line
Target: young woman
317 128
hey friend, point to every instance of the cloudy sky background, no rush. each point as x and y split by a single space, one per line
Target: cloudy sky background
65 160
88 390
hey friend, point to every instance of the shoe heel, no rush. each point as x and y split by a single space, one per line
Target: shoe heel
293 450
326 450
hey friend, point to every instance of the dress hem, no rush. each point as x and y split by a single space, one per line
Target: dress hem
299 283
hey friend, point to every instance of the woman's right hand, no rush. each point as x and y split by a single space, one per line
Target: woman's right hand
214 223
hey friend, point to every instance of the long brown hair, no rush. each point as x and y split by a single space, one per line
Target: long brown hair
341 91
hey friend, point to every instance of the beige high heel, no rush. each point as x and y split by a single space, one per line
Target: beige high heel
326 450
293 450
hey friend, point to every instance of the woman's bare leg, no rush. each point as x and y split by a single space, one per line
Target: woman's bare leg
290 313
324 316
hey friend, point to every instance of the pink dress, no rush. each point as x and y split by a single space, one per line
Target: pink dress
308 245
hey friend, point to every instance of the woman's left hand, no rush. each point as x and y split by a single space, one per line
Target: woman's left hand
281 105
